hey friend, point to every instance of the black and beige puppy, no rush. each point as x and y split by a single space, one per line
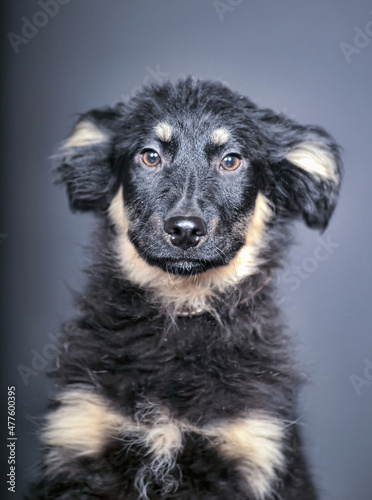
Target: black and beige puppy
175 380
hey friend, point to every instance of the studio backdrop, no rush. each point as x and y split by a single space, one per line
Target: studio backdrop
310 60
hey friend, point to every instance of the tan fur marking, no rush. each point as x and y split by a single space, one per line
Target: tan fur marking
246 261
164 440
220 136
85 133
164 131
256 442
192 292
163 435
83 423
312 157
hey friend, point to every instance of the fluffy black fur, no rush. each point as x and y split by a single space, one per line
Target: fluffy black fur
138 351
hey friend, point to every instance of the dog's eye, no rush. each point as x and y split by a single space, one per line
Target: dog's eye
151 158
231 162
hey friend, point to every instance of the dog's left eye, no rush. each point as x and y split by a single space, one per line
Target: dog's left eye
231 162
151 158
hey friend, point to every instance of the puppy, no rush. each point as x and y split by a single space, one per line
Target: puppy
176 380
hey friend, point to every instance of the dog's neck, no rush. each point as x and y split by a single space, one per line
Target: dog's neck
126 301
252 287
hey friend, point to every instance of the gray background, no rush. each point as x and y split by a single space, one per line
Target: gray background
284 54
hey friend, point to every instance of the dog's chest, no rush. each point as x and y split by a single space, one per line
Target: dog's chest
193 371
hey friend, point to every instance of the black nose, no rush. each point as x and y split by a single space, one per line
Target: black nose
185 232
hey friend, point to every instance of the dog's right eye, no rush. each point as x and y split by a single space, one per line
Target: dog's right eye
231 162
151 158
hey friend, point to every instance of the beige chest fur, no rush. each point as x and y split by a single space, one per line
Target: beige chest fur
85 422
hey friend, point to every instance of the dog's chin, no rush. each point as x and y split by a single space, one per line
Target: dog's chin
182 267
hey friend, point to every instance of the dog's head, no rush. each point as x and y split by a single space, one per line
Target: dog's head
193 174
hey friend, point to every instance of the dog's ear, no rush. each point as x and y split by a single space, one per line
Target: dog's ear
304 172
85 163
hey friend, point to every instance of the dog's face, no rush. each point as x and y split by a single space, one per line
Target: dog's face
190 185
191 171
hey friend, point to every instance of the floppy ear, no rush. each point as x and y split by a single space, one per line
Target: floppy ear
305 170
85 163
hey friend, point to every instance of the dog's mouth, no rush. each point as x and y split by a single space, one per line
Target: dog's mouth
202 257
184 267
